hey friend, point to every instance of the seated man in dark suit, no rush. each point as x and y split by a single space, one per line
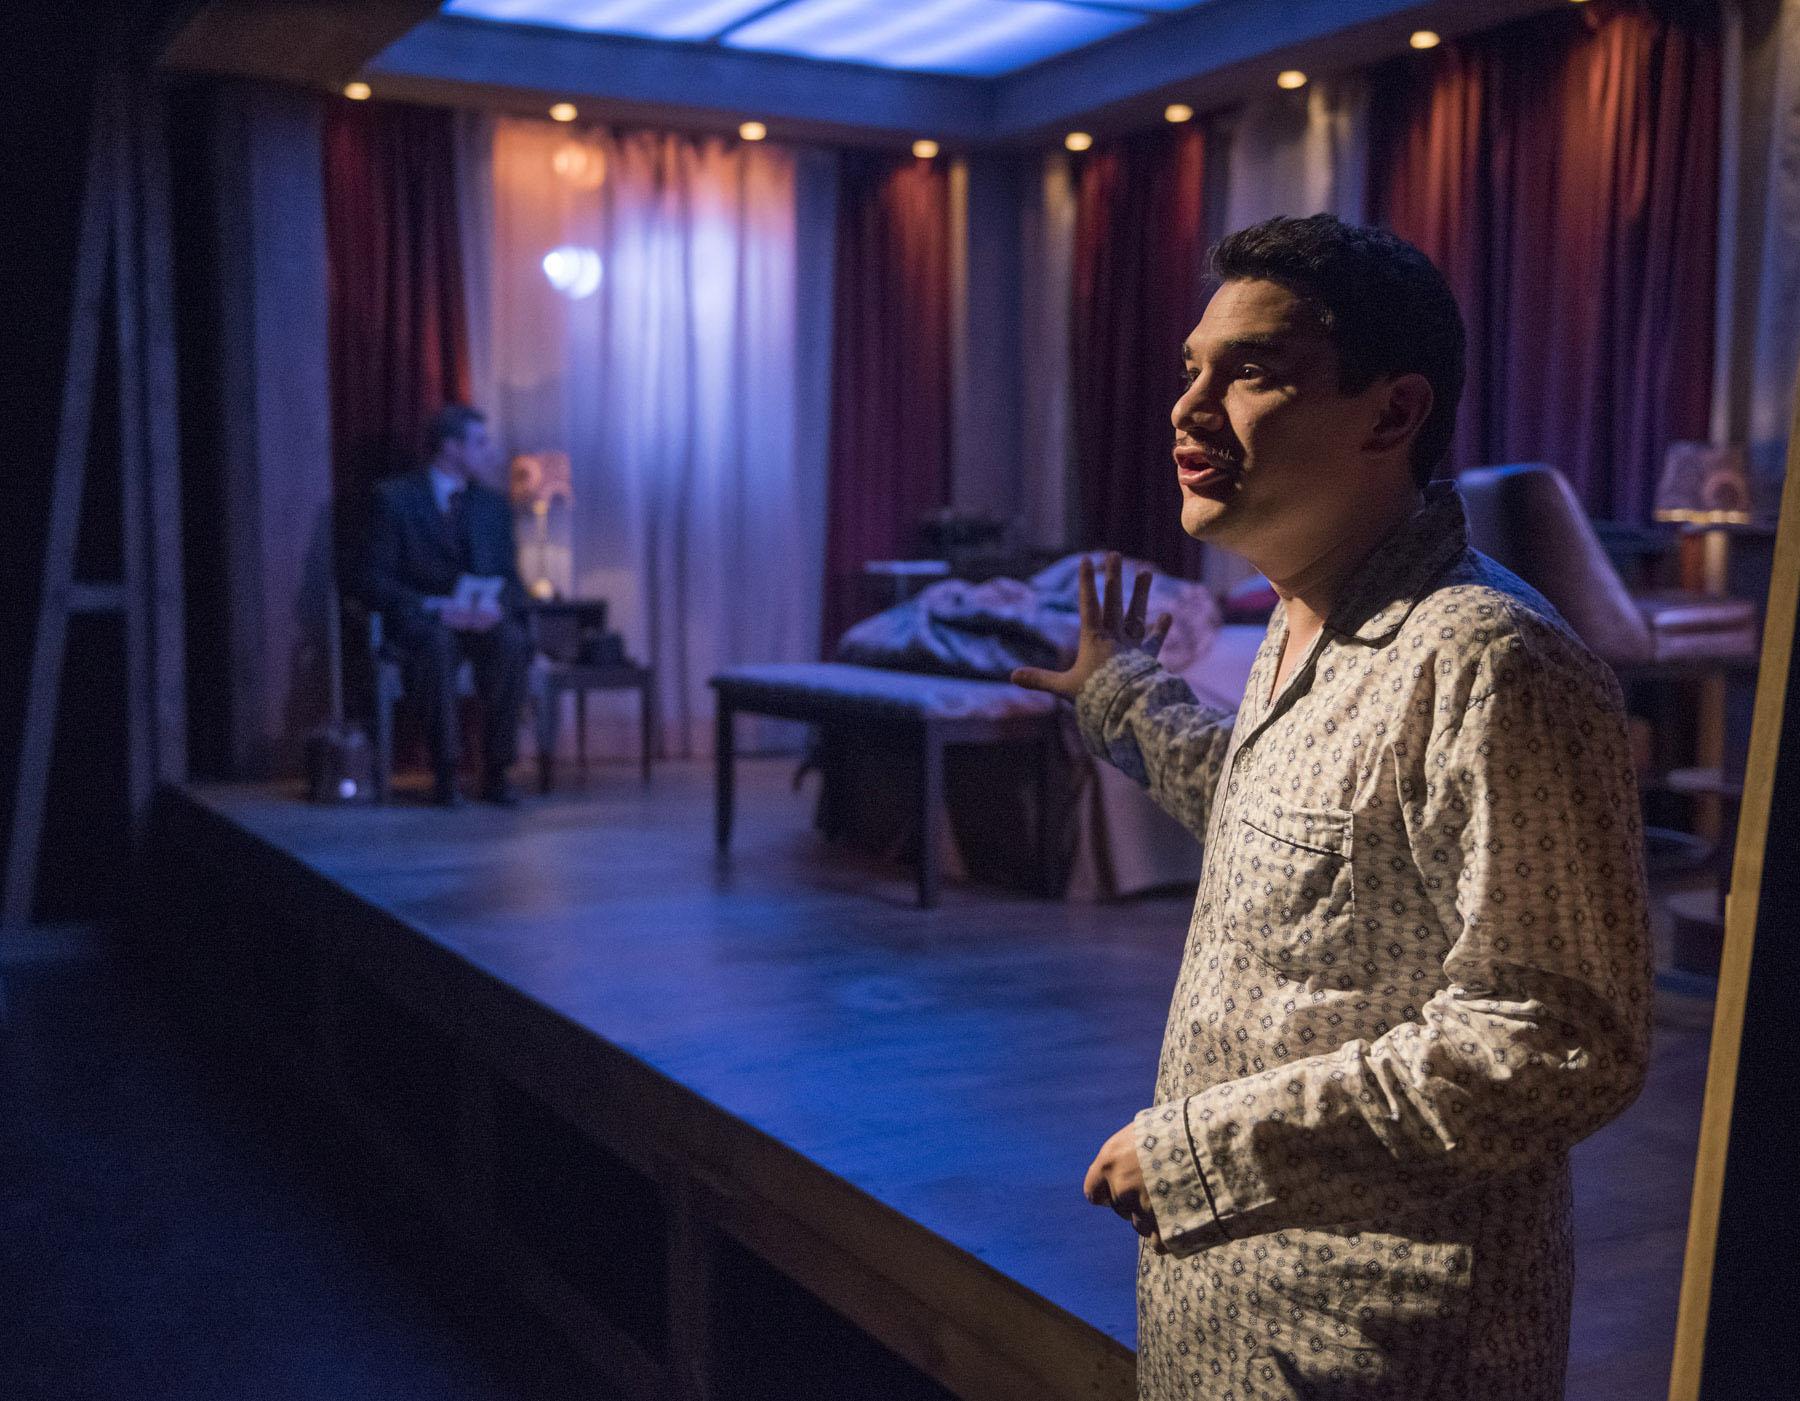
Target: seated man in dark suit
430 528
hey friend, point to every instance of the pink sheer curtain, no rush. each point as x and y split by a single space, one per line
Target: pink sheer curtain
653 319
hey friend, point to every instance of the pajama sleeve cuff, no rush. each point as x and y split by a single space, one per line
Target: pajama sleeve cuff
1100 704
1175 1180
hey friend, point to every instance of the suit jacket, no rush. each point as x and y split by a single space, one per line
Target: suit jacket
413 556
1417 972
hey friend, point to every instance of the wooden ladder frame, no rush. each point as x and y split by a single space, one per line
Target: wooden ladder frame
124 232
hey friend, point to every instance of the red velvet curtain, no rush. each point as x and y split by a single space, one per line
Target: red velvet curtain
1139 290
399 338
1563 172
890 392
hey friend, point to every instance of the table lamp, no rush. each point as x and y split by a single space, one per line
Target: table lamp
1703 484
538 480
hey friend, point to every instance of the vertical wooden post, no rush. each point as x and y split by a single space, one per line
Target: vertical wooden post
128 328
167 612
691 1265
1746 923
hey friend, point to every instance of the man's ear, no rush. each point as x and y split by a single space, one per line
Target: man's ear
1402 412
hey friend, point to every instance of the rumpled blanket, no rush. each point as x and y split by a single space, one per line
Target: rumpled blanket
984 630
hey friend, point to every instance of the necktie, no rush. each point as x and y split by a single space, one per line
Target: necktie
456 518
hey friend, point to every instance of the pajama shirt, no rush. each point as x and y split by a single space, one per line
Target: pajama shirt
1416 973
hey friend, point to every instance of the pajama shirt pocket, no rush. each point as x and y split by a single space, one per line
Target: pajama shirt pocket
1364 1317
1291 889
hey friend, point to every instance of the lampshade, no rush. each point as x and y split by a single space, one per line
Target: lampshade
1704 483
538 478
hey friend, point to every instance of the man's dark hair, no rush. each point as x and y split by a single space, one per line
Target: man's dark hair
451 421
1383 304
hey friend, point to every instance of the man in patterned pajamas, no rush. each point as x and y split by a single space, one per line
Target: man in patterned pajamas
1417 969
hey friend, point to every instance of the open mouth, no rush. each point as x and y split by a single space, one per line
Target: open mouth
1198 465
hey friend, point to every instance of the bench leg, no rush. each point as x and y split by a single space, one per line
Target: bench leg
549 702
581 732
723 777
1046 756
646 723
931 814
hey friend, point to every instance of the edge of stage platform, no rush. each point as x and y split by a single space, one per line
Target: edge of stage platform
686 1253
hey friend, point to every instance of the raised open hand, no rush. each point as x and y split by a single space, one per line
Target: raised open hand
1109 626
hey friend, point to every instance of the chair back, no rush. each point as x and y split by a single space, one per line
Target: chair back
1526 517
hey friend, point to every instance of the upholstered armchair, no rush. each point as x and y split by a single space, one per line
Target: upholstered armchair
1526 517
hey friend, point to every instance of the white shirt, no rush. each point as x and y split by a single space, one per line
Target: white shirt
444 485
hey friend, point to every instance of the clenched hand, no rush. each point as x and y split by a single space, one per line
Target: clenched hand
1116 1179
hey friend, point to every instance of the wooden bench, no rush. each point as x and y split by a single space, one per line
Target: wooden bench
872 705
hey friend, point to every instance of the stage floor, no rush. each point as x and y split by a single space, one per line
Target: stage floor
959 1065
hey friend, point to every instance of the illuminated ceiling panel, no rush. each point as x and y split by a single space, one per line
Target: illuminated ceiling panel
645 19
979 38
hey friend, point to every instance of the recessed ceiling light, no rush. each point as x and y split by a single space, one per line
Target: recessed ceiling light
1290 79
1178 112
1078 141
925 149
753 131
1425 39
357 92
563 112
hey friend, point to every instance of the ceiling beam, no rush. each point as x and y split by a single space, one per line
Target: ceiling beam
311 43
526 67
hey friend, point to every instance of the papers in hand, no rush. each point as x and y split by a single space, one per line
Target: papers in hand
474 593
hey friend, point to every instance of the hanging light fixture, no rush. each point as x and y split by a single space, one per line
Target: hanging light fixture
1078 141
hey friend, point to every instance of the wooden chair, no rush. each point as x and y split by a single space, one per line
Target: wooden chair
388 690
